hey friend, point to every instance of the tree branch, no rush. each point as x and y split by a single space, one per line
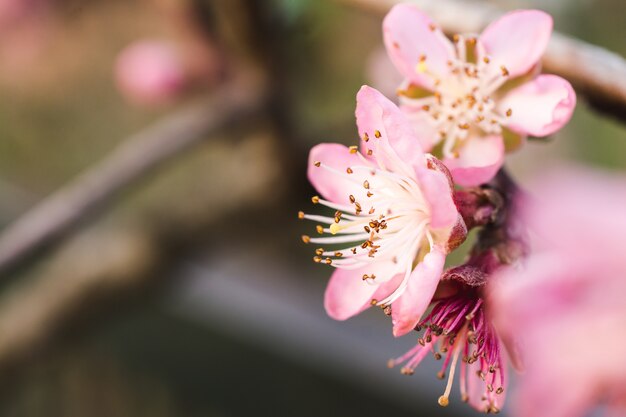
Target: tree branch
104 268
597 74
135 158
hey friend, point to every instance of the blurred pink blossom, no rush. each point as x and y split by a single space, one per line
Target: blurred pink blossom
474 98
150 72
394 212
565 305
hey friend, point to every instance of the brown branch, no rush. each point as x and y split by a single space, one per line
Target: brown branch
106 268
136 157
597 74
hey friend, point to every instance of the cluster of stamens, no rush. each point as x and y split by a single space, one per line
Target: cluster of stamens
389 221
457 327
463 99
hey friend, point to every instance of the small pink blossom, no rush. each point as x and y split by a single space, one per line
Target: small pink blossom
471 99
459 330
565 305
394 217
150 72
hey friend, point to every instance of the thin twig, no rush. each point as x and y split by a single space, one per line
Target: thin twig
597 74
136 157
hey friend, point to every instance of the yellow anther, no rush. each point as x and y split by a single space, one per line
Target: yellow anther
315 199
319 229
353 149
421 67
301 215
334 228
443 401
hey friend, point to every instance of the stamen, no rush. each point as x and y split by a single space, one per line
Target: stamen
443 400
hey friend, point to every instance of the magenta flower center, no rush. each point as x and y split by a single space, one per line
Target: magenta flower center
457 327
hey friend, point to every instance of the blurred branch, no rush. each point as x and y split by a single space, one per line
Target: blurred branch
132 160
596 73
111 264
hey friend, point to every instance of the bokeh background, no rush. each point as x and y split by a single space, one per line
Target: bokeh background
189 294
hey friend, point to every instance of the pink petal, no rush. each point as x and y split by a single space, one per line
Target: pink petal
334 186
479 160
426 131
407 310
347 294
408 36
517 40
540 107
397 148
438 194
535 397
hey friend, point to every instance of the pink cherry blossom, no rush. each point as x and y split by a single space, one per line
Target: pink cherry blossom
394 217
471 99
564 307
150 72
459 327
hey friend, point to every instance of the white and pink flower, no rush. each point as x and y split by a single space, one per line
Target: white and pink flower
394 217
473 98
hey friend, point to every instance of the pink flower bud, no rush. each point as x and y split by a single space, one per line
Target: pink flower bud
150 72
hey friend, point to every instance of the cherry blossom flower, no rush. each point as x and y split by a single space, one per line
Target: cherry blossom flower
459 327
394 217
150 72
479 95
565 305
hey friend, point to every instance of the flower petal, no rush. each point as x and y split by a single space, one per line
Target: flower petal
391 136
407 310
333 185
540 107
409 35
347 294
479 160
517 40
423 124
436 190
